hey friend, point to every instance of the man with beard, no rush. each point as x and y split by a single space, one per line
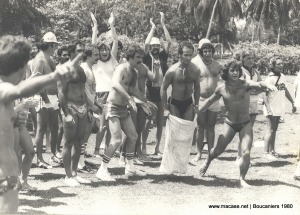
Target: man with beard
184 77
118 116
73 101
156 60
209 77
47 110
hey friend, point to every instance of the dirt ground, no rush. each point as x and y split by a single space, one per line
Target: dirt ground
156 193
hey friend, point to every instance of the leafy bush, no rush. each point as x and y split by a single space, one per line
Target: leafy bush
264 52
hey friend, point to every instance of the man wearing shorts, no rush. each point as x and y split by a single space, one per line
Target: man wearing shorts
156 60
47 110
73 101
118 116
14 56
209 77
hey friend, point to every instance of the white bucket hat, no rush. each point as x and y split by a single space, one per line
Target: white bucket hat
155 41
50 38
203 41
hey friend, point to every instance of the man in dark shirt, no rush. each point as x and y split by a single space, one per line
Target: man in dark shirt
156 60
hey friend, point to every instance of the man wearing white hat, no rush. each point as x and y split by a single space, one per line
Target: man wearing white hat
209 77
47 110
156 60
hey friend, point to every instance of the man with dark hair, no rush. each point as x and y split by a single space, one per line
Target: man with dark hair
156 59
73 102
14 56
90 57
209 76
236 95
123 86
250 73
103 72
47 110
63 54
119 57
184 77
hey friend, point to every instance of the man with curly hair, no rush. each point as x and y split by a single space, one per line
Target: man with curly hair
236 95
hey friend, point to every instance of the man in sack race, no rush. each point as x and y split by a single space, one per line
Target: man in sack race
184 77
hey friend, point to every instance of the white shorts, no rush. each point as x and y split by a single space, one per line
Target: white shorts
253 108
214 107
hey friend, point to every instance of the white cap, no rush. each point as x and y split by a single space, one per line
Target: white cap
50 38
155 41
203 41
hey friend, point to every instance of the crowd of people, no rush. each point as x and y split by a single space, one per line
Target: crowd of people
93 88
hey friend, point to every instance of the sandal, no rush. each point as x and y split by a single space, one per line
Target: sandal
44 165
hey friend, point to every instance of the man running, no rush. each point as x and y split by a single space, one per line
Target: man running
236 96
73 101
14 56
184 77
209 77
156 60
119 119
47 110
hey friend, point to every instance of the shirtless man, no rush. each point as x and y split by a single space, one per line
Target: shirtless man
209 77
47 110
73 102
14 55
236 95
90 57
156 59
63 57
118 116
143 110
184 77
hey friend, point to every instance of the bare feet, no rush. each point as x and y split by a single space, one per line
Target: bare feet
43 164
203 168
244 184
97 153
26 186
144 151
195 160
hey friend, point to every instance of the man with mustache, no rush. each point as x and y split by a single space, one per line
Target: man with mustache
119 119
156 59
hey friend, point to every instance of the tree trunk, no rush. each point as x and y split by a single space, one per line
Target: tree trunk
211 19
278 38
253 30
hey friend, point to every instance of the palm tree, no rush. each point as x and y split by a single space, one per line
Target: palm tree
272 13
207 11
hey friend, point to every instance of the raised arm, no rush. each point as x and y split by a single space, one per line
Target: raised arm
94 29
165 84
214 97
29 87
166 32
114 49
149 37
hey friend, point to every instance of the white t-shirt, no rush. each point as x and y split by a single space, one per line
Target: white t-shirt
103 72
90 84
246 76
297 83
276 98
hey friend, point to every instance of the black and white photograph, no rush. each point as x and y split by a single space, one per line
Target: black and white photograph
146 107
